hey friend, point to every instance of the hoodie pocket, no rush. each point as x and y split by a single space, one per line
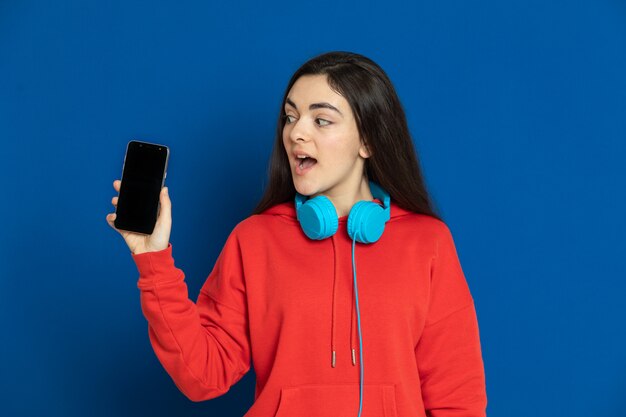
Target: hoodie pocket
337 400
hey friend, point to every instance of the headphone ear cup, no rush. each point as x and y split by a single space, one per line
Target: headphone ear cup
318 218
366 221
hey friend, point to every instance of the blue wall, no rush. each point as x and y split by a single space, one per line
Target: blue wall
517 110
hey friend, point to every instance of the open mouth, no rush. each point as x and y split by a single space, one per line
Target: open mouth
307 162
304 164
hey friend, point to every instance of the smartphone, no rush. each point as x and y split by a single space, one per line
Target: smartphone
143 176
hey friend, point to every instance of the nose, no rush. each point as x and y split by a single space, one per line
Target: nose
298 131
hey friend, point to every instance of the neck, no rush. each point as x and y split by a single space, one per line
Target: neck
344 201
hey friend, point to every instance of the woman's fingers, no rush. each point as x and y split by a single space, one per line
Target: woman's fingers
110 218
116 185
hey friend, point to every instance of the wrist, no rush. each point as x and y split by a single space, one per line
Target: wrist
139 251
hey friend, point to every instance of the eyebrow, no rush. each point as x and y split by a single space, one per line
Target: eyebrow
313 106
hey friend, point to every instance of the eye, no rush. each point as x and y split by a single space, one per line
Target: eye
289 118
322 122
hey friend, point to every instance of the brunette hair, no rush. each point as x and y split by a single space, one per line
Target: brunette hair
381 123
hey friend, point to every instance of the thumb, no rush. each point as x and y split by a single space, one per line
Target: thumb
166 205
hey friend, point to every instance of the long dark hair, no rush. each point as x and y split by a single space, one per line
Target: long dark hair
381 123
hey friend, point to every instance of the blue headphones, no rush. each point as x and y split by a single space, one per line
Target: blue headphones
366 221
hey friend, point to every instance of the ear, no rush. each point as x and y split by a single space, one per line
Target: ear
364 150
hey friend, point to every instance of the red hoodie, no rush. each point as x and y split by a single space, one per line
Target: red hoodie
286 304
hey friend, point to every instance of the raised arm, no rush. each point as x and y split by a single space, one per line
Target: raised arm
203 346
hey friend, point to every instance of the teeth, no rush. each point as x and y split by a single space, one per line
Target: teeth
301 156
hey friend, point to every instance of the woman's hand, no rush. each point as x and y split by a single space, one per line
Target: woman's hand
160 237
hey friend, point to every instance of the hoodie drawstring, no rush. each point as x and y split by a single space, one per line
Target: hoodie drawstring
353 319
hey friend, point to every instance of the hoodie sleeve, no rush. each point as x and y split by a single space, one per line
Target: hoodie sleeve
203 346
448 354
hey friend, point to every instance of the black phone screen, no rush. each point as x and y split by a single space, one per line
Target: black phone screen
143 176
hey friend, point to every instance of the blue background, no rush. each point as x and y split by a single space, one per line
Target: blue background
517 110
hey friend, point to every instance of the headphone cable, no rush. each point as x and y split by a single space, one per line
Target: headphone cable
358 317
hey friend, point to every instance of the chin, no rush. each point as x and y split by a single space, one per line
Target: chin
305 188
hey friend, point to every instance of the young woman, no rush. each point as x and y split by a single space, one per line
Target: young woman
343 288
